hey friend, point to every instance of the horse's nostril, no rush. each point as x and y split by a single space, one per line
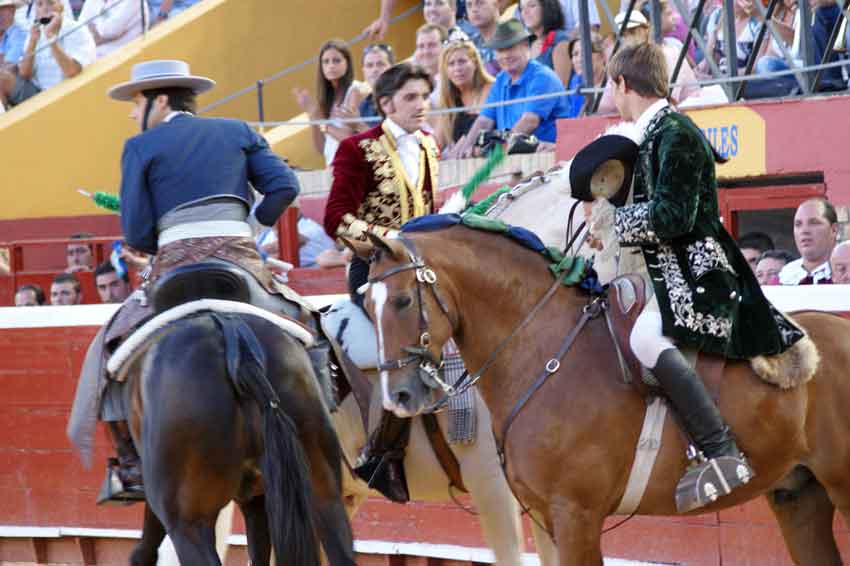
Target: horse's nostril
402 397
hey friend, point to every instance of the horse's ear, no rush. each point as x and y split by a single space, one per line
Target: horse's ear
382 244
362 250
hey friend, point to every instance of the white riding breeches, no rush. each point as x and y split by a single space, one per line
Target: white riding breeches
646 340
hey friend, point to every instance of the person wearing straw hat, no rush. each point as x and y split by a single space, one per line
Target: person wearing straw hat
186 196
12 36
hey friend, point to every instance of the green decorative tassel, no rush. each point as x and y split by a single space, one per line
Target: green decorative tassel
104 200
496 157
482 207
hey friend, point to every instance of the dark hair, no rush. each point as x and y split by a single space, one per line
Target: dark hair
784 255
827 209
393 79
82 236
324 88
553 15
68 278
383 47
37 291
180 99
107 267
755 241
643 67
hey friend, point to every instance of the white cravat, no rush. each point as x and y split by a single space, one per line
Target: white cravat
408 149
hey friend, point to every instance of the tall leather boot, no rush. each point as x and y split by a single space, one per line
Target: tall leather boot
381 464
129 465
320 360
722 467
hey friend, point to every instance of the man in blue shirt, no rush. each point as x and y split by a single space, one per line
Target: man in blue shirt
12 36
520 77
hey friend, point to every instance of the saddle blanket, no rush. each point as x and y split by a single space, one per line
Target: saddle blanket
348 324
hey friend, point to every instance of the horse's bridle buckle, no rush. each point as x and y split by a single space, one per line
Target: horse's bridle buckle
426 275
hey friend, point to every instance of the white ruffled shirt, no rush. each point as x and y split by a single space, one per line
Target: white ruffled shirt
642 123
408 147
794 272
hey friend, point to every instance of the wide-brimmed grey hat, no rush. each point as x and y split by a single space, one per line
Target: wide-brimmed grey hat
159 74
507 35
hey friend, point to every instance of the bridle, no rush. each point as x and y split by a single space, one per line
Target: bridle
419 353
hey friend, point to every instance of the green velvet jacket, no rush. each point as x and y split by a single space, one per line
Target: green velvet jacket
708 296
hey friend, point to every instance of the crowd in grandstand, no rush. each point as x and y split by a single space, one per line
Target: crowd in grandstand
490 51
43 42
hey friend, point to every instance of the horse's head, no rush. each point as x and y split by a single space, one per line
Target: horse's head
413 320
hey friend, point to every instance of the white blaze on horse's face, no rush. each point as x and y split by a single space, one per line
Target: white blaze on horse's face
378 295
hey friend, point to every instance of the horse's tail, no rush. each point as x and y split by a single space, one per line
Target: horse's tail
286 471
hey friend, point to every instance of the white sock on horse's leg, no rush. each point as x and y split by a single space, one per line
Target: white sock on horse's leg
647 341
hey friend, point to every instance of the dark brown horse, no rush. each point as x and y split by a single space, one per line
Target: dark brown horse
226 407
570 449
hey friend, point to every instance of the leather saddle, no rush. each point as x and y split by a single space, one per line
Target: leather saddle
217 279
626 300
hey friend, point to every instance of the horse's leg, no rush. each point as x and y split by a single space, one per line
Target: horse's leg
145 553
578 533
195 543
545 546
805 512
257 530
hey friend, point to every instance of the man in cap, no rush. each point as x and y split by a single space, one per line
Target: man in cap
521 77
705 294
186 195
12 36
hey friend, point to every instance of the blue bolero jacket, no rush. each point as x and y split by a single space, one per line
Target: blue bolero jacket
191 159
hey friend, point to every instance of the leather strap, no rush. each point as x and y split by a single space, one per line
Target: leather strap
649 443
442 451
357 382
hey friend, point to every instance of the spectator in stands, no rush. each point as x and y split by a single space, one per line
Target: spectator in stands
840 264
638 32
111 287
746 29
674 29
65 290
786 22
484 15
377 58
429 42
339 95
570 8
443 13
576 101
550 43
521 77
825 17
12 37
463 82
161 10
79 254
769 264
312 241
118 23
29 296
753 245
815 231
50 56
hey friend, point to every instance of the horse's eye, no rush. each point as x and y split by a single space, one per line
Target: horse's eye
402 302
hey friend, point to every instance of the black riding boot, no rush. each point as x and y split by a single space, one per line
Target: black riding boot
381 464
724 467
123 482
320 356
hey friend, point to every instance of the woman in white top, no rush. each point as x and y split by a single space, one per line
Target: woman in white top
339 95
118 22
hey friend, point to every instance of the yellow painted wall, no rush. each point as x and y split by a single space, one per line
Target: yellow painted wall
72 135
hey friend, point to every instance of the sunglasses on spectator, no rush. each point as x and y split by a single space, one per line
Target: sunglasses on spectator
380 47
456 37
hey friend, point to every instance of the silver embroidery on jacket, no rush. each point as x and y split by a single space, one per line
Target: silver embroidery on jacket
632 225
706 255
682 300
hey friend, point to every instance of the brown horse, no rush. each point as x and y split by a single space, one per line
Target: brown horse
570 449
